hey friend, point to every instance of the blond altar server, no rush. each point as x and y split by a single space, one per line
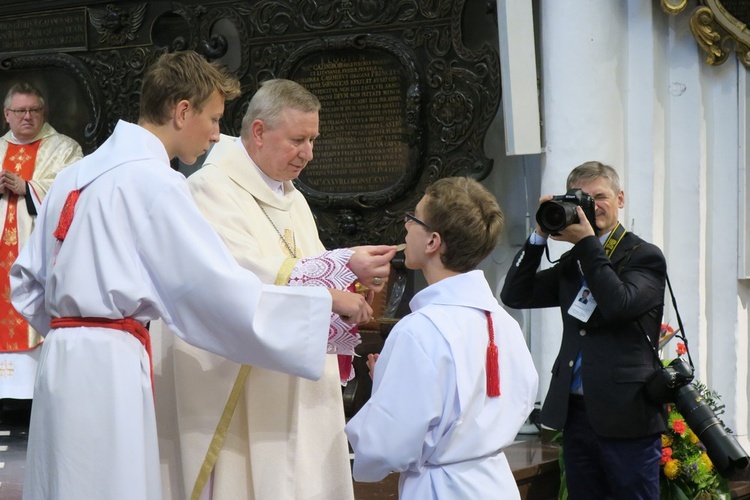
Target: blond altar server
455 381
33 153
283 436
119 242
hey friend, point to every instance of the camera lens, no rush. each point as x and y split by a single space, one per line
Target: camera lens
553 216
724 451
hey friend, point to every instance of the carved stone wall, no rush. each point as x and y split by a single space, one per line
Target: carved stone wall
405 99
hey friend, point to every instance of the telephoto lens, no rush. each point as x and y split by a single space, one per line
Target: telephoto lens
724 451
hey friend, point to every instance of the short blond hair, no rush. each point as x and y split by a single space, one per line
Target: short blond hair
183 75
468 219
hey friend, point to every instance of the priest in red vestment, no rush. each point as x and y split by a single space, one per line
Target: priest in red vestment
33 153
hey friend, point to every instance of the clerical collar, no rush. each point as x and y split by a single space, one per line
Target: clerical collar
276 186
16 140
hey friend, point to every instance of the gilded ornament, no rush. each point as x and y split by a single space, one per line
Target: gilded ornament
717 25
709 35
673 7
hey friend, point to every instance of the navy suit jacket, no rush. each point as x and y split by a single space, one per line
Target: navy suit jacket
616 356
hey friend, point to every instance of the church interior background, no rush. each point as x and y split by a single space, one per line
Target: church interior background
512 93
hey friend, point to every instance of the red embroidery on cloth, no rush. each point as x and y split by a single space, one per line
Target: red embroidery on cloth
66 216
14 332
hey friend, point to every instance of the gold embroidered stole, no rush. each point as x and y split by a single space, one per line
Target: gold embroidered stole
14 332
220 433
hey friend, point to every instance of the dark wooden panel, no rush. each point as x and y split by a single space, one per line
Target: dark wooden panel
408 88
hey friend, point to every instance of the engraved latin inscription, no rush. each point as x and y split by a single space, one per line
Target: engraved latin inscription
363 143
44 31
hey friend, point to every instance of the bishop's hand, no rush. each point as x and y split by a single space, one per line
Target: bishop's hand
372 265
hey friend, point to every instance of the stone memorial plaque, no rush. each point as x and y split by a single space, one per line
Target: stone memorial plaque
407 91
63 30
363 121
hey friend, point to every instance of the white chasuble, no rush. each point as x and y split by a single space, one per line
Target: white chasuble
286 438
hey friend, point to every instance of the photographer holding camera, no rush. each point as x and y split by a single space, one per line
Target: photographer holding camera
612 430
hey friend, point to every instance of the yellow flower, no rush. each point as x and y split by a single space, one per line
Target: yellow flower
707 461
672 469
666 441
693 438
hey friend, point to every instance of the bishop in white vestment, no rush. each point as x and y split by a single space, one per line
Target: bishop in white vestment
286 439
246 432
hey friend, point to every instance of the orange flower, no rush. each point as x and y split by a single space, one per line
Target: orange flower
681 348
666 455
679 426
665 329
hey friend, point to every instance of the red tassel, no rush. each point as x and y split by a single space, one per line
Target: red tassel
493 368
345 367
66 216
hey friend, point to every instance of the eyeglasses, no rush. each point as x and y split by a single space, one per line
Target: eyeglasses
20 113
411 217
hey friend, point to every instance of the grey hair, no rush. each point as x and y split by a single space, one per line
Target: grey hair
592 170
272 98
23 88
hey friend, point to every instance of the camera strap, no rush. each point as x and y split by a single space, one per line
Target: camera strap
614 239
679 333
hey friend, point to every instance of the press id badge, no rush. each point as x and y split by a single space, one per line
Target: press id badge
583 306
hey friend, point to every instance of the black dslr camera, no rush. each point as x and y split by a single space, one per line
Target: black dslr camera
560 212
672 384
664 383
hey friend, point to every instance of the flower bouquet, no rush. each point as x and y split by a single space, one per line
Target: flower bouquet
686 471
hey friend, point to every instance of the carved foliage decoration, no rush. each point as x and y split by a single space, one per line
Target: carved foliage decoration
718 26
118 75
412 102
116 25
